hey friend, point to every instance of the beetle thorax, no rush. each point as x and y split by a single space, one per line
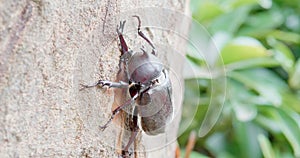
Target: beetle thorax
144 67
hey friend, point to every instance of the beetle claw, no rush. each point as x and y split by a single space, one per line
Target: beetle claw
100 83
126 154
120 28
104 83
102 128
83 86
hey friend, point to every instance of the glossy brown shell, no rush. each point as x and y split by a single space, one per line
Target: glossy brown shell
159 111
144 67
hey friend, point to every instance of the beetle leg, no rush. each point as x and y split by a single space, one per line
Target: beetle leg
117 110
109 84
133 124
140 33
124 47
131 139
125 152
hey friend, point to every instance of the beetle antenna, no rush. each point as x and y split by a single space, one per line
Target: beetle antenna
143 35
139 20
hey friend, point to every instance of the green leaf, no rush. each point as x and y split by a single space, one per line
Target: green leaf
217 92
242 101
265 122
195 60
284 49
291 100
294 80
239 3
262 23
266 20
266 146
290 130
252 63
264 82
230 22
207 11
192 113
290 37
261 113
282 54
193 154
245 132
242 48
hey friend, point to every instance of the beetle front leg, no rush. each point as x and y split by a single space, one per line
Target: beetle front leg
120 29
103 83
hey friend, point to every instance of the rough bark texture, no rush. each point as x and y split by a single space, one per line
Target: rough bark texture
47 48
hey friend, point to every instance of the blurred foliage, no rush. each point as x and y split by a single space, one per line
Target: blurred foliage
259 45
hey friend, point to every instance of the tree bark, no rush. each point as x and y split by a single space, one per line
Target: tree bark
49 48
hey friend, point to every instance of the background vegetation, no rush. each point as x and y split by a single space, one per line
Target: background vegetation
259 43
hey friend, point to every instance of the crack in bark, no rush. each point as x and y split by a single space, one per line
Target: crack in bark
105 16
13 38
19 27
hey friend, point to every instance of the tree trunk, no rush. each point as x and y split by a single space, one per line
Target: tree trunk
49 48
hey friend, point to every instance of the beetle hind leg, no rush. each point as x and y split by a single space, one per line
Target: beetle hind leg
125 151
117 110
133 125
